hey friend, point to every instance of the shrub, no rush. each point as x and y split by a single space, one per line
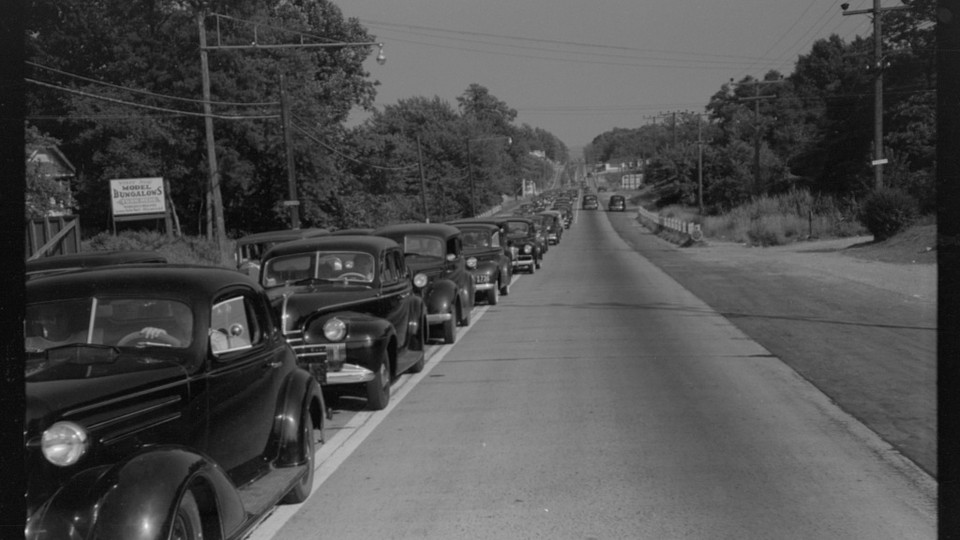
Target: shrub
185 249
886 211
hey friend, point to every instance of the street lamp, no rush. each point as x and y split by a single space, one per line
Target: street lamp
473 202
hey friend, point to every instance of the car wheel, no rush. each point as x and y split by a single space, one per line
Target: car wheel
493 295
505 288
467 315
378 390
308 443
450 329
532 269
536 264
187 524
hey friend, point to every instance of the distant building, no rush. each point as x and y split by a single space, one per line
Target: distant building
49 162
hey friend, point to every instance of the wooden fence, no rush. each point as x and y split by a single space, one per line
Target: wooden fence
56 235
685 227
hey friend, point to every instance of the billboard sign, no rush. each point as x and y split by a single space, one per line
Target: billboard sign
136 196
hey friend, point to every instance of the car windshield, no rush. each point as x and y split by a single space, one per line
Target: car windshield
480 239
518 228
333 266
76 329
423 246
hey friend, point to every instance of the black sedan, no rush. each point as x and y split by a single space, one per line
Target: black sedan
162 402
348 310
487 260
435 250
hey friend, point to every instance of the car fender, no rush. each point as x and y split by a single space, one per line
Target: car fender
440 296
137 499
301 396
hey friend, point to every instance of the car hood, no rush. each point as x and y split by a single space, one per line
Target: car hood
69 398
295 303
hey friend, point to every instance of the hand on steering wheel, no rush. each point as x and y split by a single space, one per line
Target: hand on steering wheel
358 275
149 335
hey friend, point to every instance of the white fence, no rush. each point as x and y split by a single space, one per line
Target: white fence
690 229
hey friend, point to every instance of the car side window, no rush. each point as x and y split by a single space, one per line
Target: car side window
390 272
234 325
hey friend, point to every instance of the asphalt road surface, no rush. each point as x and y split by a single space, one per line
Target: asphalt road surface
601 399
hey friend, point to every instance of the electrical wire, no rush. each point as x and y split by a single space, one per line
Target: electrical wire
150 107
152 94
307 133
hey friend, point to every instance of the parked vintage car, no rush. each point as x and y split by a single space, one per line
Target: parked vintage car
436 251
251 248
617 203
89 259
161 402
553 224
348 311
528 241
488 259
590 202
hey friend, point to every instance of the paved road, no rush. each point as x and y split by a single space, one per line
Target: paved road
863 332
603 400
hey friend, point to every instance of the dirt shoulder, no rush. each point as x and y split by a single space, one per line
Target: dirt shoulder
903 266
860 329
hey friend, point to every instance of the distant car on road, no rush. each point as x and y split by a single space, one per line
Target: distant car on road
348 310
590 202
529 242
435 250
553 225
162 402
617 203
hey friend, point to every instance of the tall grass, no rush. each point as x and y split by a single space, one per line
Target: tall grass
785 218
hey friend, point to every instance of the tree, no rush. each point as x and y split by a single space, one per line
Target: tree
147 53
43 193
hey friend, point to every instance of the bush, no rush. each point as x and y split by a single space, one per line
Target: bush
185 249
886 211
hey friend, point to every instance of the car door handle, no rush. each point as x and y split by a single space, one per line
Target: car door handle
275 364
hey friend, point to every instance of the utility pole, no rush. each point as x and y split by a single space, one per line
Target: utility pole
876 12
756 126
214 198
423 182
215 223
473 203
292 202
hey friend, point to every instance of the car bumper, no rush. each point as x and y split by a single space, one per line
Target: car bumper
350 374
437 318
524 262
483 287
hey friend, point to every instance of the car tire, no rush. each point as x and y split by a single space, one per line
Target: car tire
536 264
532 269
308 442
493 295
464 315
450 330
505 288
186 523
378 390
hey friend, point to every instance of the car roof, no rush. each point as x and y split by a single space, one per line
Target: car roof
282 235
342 242
430 229
90 259
176 280
485 225
342 232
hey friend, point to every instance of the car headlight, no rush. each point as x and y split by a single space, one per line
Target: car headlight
64 443
472 263
334 329
527 249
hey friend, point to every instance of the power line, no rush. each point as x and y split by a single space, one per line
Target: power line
307 133
150 107
152 94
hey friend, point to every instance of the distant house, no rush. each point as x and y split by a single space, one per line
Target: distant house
49 162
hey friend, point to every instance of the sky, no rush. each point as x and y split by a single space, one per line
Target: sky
580 68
